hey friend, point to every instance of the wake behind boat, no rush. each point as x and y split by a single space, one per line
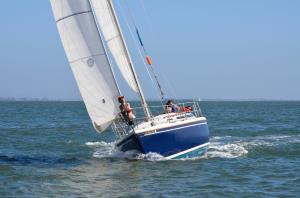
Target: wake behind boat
88 30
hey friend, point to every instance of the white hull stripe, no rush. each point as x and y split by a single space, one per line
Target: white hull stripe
187 151
175 129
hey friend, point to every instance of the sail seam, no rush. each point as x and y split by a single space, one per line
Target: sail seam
93 55
108 40
78 13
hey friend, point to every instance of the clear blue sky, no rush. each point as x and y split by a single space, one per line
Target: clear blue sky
209 49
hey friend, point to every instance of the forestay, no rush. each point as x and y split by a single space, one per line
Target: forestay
88 60
109 27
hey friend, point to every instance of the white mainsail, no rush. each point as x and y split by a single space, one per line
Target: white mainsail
109 28
88 60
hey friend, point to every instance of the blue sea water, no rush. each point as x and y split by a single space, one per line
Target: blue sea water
49 149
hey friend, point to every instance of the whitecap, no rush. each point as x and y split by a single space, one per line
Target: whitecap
109 150
232 147
232 150
150 157
220 138
99 144
102 149
220 147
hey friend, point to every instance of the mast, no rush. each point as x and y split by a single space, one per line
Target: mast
141 94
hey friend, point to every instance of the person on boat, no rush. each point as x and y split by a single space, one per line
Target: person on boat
187 109
171 107
126 111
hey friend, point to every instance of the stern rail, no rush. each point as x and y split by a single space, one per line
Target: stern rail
121 128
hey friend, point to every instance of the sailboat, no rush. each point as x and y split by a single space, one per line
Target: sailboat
92 36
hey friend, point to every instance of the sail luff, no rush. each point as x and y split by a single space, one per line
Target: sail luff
140 91
111 36
104 47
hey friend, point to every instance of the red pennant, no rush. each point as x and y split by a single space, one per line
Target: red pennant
148 59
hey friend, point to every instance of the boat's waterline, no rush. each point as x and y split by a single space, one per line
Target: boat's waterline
197 151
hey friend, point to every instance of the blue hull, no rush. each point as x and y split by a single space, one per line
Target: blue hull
183 141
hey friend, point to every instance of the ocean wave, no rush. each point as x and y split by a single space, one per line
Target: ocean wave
217 150
99 144
103 149
232 147
220 147
109 150
151 157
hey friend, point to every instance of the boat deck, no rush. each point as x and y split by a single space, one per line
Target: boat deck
160 121
167 120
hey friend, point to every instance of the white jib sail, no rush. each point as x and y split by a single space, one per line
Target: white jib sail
89 63
109 29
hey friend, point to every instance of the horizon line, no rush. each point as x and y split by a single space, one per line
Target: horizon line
44 99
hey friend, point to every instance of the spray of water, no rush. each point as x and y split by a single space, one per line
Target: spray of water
220 147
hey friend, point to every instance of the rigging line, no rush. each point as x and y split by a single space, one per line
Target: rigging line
173 92
147 112
154 37
137 46
147 19
158 84
145 51
149 23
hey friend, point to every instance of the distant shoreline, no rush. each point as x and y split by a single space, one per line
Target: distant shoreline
150 100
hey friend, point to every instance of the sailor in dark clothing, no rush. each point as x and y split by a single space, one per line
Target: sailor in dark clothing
170 107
